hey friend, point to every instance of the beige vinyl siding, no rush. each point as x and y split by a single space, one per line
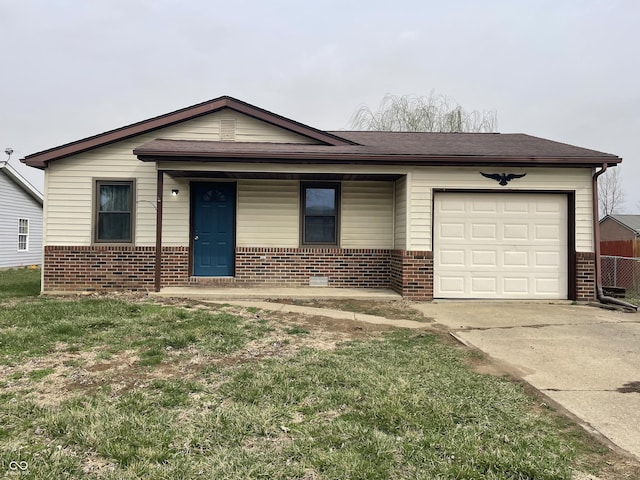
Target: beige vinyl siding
267 213
69 186
284 168
367 215
426 179
247 129
400 221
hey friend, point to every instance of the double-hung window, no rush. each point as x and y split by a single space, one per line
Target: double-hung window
114 212
23 234
320 209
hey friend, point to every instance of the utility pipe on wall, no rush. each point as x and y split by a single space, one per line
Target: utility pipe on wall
602 298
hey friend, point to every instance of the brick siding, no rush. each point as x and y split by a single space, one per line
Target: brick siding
294 267
412 274
110 268
105 268
585 276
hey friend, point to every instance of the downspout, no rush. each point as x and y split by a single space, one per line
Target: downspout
602 298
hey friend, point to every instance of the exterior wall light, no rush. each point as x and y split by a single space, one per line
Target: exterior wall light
175 192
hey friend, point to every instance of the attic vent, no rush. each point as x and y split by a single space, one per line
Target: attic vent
228 130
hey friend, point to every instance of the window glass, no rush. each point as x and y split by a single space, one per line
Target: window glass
320 214
23 234
114 216
320 201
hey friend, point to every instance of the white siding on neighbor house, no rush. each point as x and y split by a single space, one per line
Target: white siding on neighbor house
267 213
400 221
15 204
70 181
426 179
366 215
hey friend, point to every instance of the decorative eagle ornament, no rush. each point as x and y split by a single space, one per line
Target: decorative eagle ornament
502 178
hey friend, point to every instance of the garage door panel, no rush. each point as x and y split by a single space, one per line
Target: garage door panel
515 259
548 260
483 285
452 285
516 207
514 231
547 205
487 258
547 285
516 286
484 206
483 231
452 231
452 258
503 245
547 232
451 205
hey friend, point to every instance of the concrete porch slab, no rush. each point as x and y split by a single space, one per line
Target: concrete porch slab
234 293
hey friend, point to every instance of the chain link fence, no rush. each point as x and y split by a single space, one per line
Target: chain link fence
621 277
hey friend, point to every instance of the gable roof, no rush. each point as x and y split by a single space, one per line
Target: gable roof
389 148
40 159
631 222
20 181
335 146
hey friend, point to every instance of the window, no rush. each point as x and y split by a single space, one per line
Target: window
320 204
114 212
23 234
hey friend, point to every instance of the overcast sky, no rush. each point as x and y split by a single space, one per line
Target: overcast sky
566 70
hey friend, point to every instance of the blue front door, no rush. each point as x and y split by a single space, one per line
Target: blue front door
213 225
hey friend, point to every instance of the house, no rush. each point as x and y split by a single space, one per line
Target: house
20 220
620 235
226 193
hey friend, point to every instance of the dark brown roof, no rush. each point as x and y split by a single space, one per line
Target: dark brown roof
388 148
40 159
336 146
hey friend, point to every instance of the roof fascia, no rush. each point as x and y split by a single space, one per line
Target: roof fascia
40 159
366 159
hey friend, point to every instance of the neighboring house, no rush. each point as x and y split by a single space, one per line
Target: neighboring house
226 193
620 235
20 220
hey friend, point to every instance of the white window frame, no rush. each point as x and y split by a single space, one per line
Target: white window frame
23 234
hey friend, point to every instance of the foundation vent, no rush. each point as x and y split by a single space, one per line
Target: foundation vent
318 281
228 130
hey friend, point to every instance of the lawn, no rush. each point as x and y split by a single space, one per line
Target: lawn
106 388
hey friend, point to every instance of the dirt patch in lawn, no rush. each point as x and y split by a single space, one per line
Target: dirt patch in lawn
60 375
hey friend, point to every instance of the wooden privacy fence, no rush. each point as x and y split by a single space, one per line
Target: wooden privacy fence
620 248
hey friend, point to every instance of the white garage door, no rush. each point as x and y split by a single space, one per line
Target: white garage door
502 245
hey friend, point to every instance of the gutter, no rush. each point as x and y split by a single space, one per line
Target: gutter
602 298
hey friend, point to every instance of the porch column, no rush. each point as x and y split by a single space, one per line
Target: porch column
158 270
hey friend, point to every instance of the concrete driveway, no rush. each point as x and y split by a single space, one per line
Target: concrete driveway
584 358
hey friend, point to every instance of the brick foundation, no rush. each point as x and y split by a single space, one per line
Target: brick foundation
412 274
585 276
105 268
110 268
293 267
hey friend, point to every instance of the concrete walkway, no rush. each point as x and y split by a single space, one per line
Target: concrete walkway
324 312
200 292
586 359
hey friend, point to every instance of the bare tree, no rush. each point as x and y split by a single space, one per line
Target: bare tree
435 113
610 193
